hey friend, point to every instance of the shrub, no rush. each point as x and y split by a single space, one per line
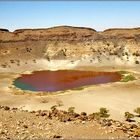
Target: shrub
53 107
127 78
128 116
71 109
104 112
96 115
83 113
137 110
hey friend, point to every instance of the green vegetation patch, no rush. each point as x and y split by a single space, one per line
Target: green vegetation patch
71 109
123 72
103 113
126 76
78 88
129 116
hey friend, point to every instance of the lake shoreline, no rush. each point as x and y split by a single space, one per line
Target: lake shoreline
104 95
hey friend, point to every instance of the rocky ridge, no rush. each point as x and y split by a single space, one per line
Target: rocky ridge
110 47
56 123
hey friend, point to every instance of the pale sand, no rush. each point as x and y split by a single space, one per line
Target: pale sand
117 97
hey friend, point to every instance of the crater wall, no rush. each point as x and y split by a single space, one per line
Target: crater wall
110 47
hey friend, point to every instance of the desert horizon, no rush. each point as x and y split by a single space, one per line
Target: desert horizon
56 26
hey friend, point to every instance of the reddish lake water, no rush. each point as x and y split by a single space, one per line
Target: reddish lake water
63 79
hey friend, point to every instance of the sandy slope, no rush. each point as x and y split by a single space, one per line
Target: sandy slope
117 97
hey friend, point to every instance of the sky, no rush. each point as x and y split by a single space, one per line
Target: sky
99 15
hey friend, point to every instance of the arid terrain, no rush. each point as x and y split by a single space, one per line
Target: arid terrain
62 48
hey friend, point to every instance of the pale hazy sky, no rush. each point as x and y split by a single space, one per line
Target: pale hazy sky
99 15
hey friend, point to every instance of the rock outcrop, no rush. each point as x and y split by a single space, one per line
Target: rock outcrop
110 47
